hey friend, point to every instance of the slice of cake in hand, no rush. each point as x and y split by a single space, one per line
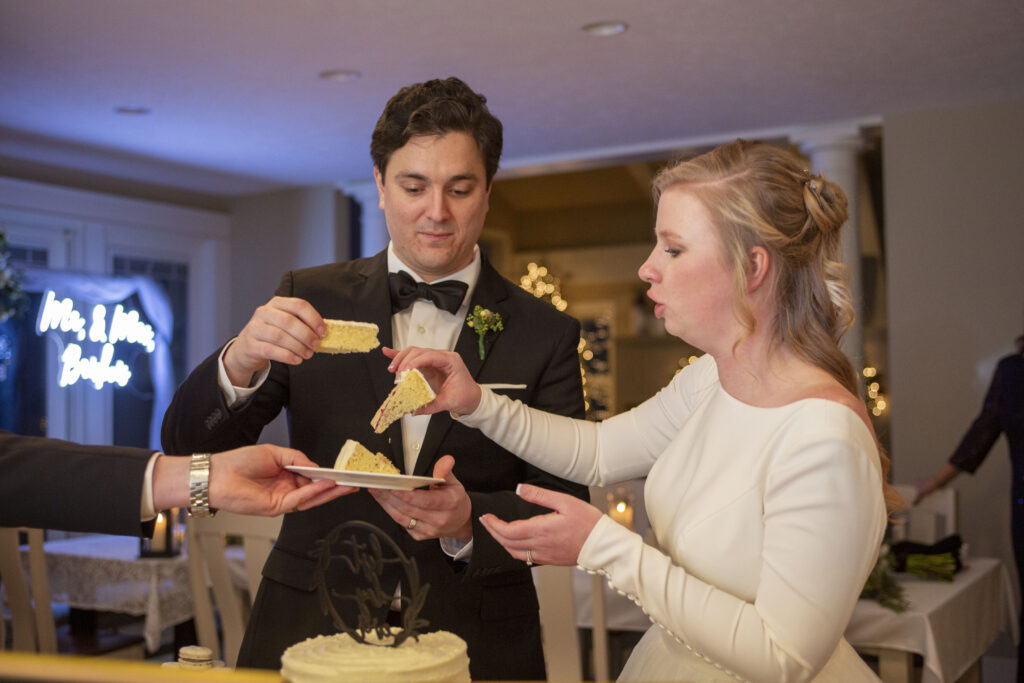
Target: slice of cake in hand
355 457
348 336
411 392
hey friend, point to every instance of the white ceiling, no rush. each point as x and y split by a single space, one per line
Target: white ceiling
237 105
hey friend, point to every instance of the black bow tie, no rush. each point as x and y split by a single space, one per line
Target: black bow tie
447 295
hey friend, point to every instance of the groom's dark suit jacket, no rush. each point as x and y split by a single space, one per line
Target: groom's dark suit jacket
490 601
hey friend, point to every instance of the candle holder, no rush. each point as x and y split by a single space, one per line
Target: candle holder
166 541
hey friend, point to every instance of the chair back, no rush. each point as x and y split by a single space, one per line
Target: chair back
33 628
558 622
28 596
215 569
933 517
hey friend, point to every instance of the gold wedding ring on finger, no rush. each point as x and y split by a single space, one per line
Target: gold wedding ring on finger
529 559
412 524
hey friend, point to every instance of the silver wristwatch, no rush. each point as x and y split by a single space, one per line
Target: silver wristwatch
199 486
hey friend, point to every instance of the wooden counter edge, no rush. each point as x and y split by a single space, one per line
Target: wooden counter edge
22 666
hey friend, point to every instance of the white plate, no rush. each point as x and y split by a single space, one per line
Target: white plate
369 480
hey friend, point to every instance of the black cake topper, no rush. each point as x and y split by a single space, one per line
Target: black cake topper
366 558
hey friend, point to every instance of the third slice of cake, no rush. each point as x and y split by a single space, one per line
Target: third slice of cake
355 457
411 391
348 336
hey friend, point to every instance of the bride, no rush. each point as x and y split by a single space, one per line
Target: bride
766 488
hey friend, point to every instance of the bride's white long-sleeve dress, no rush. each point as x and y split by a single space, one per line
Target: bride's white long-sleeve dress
768 521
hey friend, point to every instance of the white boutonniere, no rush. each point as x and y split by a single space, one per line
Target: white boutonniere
483 320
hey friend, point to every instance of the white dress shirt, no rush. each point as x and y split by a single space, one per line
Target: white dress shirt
425 325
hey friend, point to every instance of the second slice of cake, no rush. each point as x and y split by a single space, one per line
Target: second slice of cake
355 457
411 392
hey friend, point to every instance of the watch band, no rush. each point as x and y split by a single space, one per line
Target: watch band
199 486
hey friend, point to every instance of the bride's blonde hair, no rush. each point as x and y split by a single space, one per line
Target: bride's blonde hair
761 195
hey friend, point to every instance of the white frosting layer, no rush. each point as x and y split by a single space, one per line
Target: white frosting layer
438 657
347 451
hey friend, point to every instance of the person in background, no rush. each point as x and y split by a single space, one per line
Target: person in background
54 484
765 483
1002 412
435 151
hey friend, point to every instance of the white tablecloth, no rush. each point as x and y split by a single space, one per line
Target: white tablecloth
106 573
950 625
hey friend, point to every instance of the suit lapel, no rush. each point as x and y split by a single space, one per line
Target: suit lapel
490 291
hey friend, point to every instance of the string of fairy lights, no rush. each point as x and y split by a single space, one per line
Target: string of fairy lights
540 282
543 284
877 402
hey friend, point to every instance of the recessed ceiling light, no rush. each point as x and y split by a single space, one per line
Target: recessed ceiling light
132 110
602 29
340 75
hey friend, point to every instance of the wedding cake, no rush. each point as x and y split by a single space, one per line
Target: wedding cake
438 657
372 651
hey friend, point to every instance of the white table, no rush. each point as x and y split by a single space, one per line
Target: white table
950 625
105 573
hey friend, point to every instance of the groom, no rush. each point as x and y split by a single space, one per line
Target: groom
435 151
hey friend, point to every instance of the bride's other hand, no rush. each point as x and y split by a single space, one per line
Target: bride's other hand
553 538
447 375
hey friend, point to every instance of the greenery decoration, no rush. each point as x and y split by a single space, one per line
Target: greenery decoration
11 294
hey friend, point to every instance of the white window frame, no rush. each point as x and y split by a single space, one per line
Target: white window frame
83 231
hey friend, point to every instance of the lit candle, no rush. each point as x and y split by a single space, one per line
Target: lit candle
158 543
622 512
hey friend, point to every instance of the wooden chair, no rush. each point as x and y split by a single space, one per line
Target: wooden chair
558 623
33 628
210 573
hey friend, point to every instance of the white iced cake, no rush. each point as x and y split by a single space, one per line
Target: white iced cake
411 391
348 336
438 657
355 457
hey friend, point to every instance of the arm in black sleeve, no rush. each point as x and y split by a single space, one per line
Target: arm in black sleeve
53 484
199 419
984 430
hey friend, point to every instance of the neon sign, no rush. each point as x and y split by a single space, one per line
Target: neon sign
62 315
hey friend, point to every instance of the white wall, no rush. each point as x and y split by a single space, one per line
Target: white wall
279 231
954 180
275 232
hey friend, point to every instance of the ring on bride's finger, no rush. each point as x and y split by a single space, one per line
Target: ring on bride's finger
412 524
529 560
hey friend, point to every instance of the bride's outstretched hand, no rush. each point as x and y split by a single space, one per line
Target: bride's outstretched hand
447 375
553 538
